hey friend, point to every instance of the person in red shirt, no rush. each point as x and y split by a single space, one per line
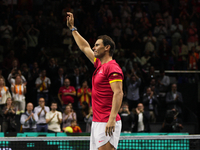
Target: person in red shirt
76 129
84 93
66 93
107 90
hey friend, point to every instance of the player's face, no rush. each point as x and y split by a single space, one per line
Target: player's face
99 49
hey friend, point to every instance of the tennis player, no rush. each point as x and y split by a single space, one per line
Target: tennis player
107 90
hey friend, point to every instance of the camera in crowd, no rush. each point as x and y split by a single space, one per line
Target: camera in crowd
171 123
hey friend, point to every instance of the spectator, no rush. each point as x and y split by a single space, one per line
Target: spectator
52 69
29 119
133 85
13 74
153 87
116 27
128 27
82 113
4 92
133 58
176 32
167 18
19 28
125 11
174 99
149 41
165 53
155 60
76 78
41 112
154 7
33 34
88 120
84 93
43 84
193 59
138 14
150 104
19 41
67 38
144 21
192 36
34 73
163 83
141 119
9 113
160 32
145 60
76 129
10 61
25 70
170 123
18 92
59 79
135 43
126 118
26 20
68 116
180 52
184 20
66 93
54 119
6 31
108 13
151 74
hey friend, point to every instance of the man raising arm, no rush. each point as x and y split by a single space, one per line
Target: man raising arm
106 89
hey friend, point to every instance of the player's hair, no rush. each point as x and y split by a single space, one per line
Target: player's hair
108 41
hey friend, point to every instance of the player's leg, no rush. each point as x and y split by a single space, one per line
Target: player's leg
107 146
92 138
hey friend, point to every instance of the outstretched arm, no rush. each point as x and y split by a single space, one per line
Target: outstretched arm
80 41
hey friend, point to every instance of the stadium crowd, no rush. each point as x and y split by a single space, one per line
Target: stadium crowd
46 79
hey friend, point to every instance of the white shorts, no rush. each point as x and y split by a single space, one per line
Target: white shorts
98 137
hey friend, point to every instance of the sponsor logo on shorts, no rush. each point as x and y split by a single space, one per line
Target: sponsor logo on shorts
101 141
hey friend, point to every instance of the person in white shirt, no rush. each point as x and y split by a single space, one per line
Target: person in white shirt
149 41
141 119
43 84
6 30
4 92
29 119
54 119
41 111
163 83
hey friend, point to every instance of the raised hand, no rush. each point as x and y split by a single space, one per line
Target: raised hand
70 20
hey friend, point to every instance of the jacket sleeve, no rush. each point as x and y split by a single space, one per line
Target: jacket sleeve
146 99
169 99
